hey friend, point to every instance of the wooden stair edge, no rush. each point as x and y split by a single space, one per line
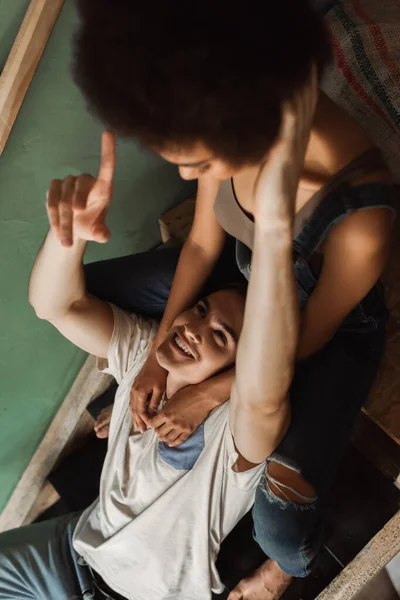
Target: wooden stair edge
88 384
372 559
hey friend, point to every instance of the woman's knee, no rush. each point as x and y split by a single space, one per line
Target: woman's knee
286 484
287 519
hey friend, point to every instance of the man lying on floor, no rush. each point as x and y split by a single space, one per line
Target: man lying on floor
155 530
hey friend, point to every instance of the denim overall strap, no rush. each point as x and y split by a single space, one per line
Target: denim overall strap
336 207
339 199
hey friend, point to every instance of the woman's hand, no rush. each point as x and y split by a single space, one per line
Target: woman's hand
77 206
102 423
278 179
181 415
147 392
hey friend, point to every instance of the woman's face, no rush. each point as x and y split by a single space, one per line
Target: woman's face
203 340
199 161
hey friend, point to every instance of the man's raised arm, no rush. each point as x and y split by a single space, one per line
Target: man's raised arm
260 408
76 207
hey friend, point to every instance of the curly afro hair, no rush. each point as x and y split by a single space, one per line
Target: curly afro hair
171 73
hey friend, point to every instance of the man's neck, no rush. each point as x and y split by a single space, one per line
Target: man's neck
173 385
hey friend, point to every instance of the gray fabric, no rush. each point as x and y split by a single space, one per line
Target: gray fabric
364 76
38 562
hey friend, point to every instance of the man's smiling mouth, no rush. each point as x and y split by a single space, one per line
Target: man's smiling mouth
182 346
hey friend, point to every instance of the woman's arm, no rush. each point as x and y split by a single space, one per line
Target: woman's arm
188 408
199 255
354 257
197 260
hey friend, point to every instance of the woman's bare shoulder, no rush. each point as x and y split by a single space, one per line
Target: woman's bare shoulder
364 231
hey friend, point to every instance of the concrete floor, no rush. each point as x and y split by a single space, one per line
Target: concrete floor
393 570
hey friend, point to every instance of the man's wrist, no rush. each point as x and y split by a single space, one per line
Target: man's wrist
76 250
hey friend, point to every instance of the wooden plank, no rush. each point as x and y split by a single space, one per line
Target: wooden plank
46 498
177 222
376 555
88 384
359 503
48 495
23 60
83 429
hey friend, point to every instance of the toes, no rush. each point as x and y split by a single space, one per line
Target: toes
102 433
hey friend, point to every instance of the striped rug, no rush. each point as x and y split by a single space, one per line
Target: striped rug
364 77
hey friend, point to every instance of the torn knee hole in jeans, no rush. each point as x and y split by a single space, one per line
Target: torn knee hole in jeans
287 484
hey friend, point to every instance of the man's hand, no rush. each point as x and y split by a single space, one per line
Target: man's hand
181 415
147 391
77 206
278 179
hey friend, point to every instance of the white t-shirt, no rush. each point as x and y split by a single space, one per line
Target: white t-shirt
154 532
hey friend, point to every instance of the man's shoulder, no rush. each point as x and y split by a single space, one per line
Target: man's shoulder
131 341
133 327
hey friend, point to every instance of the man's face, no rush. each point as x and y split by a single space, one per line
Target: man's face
203 340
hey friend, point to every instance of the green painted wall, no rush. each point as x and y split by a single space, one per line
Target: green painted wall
52 137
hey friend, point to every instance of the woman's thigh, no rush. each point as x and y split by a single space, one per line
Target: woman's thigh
327 393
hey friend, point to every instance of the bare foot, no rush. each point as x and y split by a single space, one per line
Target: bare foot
269 582
102 423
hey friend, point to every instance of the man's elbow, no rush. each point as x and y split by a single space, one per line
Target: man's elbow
267 404
266 398
41 311
267 407
37 306
48 311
